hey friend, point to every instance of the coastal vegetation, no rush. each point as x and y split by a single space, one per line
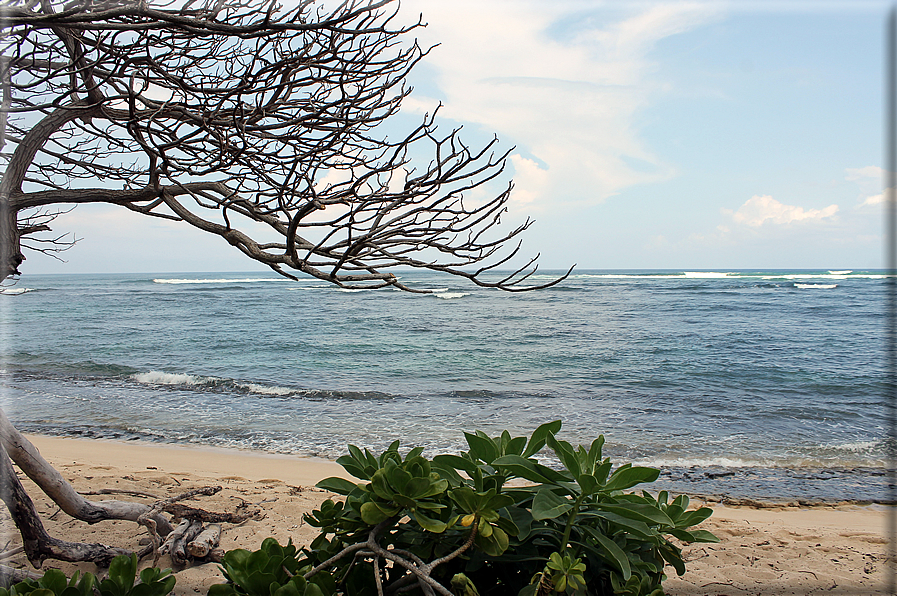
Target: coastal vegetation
499 518
496 519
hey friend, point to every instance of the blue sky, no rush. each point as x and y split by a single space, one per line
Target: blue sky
683 135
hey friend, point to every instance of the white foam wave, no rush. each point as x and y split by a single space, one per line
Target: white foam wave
816 286
265 389
451 295
841 272
14 291
245 280
620 276
156 377
704 274
352 290
856 446
701 462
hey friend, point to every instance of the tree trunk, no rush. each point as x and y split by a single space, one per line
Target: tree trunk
30 461
10 250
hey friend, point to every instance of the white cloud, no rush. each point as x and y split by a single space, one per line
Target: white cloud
563 81
529 179
875 199
863 173
759 210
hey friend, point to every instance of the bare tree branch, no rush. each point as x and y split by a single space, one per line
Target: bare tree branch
226 115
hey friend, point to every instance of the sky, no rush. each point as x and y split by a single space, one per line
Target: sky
645 135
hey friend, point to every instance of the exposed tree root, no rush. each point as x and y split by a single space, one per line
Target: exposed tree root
51 482
38 544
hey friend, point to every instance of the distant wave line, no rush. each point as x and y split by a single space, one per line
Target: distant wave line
218 281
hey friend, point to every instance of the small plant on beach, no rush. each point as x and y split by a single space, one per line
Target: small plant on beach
273 570
122 580
417 525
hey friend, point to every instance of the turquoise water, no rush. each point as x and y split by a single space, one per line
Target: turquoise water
729 380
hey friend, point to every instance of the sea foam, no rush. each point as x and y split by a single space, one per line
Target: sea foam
156 377
704 274
246 280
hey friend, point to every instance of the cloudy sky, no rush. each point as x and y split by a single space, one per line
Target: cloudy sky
682 135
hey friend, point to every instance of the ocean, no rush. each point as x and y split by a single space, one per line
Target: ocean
746 384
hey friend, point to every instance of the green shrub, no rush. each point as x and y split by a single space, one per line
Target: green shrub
572 530
272 570
121 581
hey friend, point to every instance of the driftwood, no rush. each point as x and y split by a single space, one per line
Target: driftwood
176 542
190 527
180 511
11 575
32 463
202 545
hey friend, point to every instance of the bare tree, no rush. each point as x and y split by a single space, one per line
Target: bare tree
257 124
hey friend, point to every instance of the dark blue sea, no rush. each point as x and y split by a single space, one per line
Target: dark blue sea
758 384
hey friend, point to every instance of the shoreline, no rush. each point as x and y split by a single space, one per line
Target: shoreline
773 548
757 486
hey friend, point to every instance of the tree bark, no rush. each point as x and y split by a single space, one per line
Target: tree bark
30 461
39 545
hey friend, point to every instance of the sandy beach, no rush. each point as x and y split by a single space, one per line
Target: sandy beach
839 549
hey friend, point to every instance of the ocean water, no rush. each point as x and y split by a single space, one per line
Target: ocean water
761 384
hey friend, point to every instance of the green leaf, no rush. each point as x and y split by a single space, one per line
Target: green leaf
693 518
54 580
399 479
565 453
673 556
481 448
637 528
456 462
222 590
508 526
447 472
353 467
374 513
515 446
602 471
627 477
588 483
595 451
520 467
123 571
380 486
548 505
553 476
646 513
613 550
429 524
702 536
523 520
537 440
337 485
495 544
